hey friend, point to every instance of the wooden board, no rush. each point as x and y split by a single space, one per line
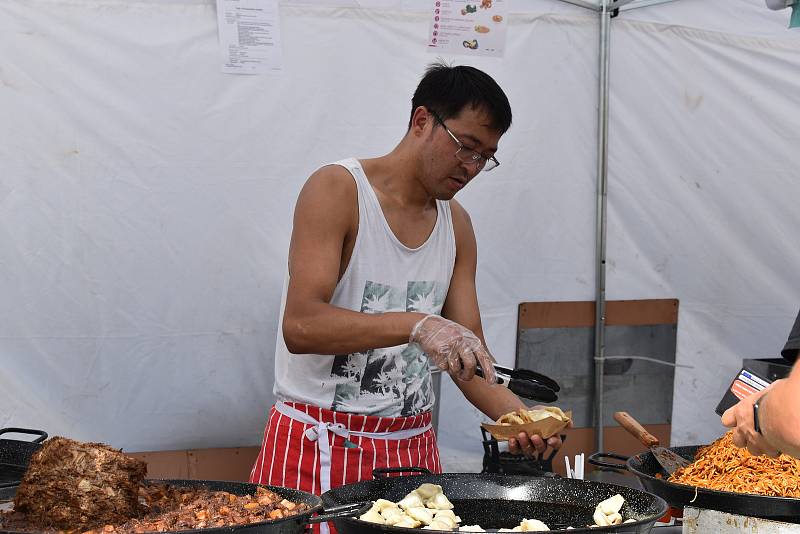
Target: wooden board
581 313
233 463
557 339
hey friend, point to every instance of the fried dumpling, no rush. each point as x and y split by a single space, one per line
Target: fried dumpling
383 504
440 502
446 513
407 522
600 518
373 516
412 500
421 514
394 519
437 525
450 521
612 504
428 491
607 511
389 513
533 525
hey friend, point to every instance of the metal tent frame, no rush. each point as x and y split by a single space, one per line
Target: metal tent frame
606 9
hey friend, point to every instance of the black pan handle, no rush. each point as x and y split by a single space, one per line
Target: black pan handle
352 509
385 471
594 459
41 433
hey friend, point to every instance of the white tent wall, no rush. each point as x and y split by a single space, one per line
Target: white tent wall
146 198
703 199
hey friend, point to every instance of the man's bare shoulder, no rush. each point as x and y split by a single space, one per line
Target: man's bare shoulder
327 203
461 220
331 184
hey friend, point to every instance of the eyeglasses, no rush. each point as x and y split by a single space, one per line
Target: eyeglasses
467 155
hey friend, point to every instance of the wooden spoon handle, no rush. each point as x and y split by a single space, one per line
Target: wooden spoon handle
635 429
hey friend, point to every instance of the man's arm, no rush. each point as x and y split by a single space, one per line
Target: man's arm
325 217
461 306
779 414
779 418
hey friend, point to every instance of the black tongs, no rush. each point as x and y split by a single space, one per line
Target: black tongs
525 383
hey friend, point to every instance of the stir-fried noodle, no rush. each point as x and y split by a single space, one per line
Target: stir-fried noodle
723 466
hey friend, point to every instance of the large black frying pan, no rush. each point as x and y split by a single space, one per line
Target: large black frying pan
296 524
645 466
501 501
15 454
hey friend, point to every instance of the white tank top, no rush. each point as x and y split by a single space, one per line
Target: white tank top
383 276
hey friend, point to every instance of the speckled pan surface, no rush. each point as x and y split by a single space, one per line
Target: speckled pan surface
498 501
645 466
15 454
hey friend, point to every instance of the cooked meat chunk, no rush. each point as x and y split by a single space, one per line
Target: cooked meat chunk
70 484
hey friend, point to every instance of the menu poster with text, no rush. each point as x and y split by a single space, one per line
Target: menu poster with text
249 36
468 27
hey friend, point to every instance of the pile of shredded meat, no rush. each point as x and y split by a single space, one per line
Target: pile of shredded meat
169 508
76 487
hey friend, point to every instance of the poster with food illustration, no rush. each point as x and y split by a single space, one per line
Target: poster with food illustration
468 27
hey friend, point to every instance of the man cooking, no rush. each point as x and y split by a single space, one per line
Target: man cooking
381 283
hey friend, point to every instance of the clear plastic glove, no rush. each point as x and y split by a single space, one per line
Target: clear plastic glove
452 348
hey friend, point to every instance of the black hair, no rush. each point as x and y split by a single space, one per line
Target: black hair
448 90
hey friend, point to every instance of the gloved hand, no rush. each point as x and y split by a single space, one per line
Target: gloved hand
452 347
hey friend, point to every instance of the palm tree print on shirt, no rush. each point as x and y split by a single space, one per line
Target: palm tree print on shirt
394 380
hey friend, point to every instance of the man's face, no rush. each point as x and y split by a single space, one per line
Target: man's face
448 166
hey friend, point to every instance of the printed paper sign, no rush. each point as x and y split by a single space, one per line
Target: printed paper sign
249 36
468 27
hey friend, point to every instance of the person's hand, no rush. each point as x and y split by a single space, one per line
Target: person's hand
533 446
452 348
740 418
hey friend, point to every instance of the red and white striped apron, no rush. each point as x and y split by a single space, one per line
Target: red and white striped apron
313 449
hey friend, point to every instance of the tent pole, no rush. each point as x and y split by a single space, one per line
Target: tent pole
600 225
605 8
